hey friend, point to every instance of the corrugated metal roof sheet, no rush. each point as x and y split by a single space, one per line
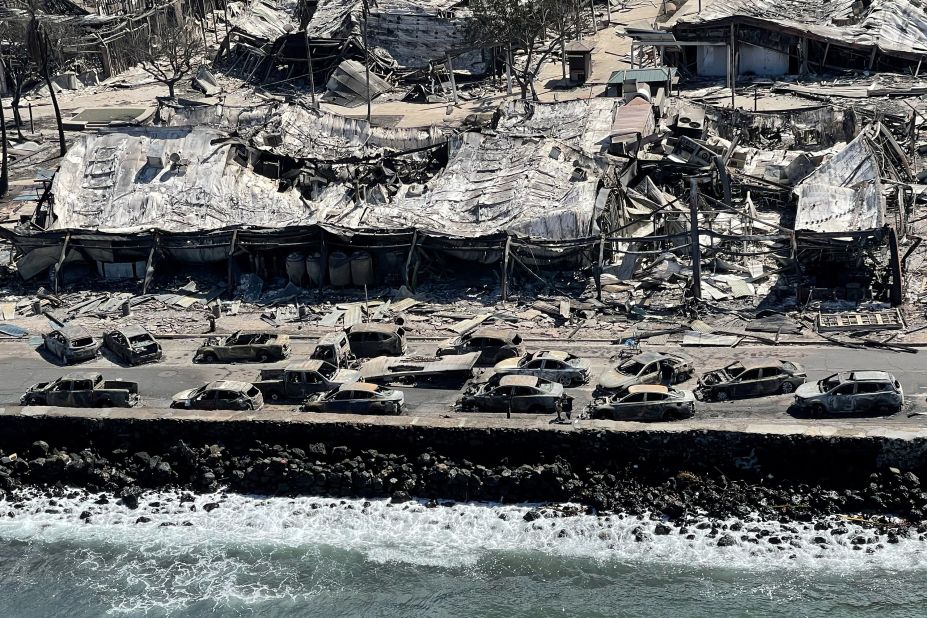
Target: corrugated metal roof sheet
659 74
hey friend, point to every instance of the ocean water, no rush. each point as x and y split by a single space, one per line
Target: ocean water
323 557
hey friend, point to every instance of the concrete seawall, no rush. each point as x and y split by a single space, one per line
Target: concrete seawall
835 453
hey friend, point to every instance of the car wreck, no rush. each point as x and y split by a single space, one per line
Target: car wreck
741 380
371 340
517 394
447 372
645 402
220 395
493 345
82 390
71 344
646 368
133 345
298 380
243 346
556 366
357 398
851 392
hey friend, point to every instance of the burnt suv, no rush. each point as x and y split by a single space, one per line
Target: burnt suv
493 344
851 392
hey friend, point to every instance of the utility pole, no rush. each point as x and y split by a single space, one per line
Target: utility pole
694 248
367 58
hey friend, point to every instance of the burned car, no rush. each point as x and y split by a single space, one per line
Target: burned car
517 394
493 344
298 380
645 402
71 344
357 398
220 395
88 390
371 340
133 345
333 348
242 346
851 392
555 366
646 368
740 380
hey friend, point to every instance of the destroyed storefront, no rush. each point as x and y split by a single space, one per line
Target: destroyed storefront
325 198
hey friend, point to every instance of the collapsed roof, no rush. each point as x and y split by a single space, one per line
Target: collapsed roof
300 132
541 188
844 194
895 27
174 179
582 124
303 133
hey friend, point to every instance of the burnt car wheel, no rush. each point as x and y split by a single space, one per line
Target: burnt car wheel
209 357
721 396
787 388
263 357
818 410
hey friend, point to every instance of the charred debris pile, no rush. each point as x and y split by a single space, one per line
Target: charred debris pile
647 202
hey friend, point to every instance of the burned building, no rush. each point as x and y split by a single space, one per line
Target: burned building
800 36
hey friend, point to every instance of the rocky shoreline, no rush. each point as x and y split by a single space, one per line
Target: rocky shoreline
890 502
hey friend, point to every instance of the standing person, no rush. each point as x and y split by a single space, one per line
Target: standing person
667 374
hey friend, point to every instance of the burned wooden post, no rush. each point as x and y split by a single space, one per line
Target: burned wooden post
505 267
725 180
405 272
60 262
600 267
232 244
450 73
896 294
694 248
149 266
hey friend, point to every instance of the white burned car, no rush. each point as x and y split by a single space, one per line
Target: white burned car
851 392
555 366
645 402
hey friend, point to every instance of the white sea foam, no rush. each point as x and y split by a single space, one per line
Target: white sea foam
245 550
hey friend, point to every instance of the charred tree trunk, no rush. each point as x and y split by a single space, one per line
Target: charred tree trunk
54 99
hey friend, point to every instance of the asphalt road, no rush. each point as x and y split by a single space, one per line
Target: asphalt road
22 364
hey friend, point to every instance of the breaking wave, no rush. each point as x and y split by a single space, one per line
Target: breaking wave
237 552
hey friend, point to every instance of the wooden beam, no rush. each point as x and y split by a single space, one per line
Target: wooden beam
64 248
405 272
505 267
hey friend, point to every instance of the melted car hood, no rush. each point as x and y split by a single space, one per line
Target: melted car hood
612 379
808 389
182 395
507 364
346 376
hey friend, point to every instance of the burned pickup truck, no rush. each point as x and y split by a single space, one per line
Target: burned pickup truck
86 390
244 346
299 380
